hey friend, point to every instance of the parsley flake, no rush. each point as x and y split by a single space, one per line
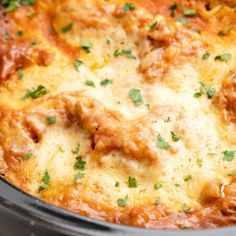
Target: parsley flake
206 55
153 25
124 52
105 82
225 57
80 164
28 155
35 93
77 64
86 46
175 136
161 143
51 120
67 28
45 181
128 6
135 96
228 155
90 83
122 202
157 186
76 150
132 182
20 73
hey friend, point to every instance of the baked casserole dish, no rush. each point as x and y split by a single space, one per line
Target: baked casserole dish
122 111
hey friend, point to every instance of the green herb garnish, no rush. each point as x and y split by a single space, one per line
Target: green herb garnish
128 6
80 164
135 96
86 46
105 82
77 64
157 186
228 155
28 155
161 143
132 182
45 181
122 202
35 93
225 57
51 120
67 28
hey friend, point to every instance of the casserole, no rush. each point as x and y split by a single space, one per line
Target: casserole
122 111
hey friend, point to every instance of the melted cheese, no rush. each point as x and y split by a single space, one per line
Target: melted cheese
204 134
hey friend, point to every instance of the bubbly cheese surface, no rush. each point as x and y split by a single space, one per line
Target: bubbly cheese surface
122 111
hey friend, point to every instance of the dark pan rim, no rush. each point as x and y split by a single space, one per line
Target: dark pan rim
26 206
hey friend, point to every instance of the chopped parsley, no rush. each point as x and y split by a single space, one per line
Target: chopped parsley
157 202
190 13
182 21
20 73
168 119
210 92
175 136
228 155
11 5
199 161
86 46
122 202
206 55
135 96
51 120
161 143
28 155
128 6
124 52
187 178
185 207
79 175
105 82
67 28
157 186
19 33
117 184
230 173
153 25
77 64
172 8
45 181
132 182
35 93
76 150
225 57
90 83
80 164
